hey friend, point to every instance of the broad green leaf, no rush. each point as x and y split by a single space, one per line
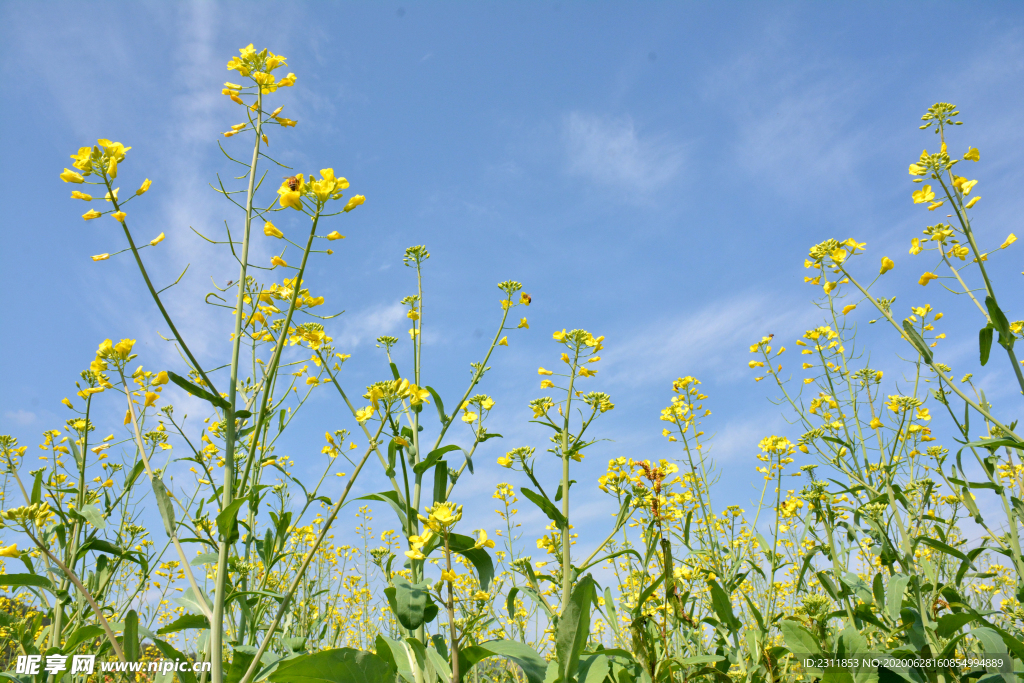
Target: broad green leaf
918 343
93 515
799 640
546 506
25 580
240 661
985 343
723 606
343 665
168 651
992 644
950 624
395 655
400 507
594 669
183 622
573 628
432 458
82 634
130 637
227 520
196 391
411 601
206 558
532 664
481 559
998 318
163 504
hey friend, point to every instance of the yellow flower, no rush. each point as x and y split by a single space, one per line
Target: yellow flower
278 261
90 214
542 371
364 414
118 216
546 384
81 195
967 185
525 299
972 154
503 342
101 257
109 483
829 286
448 575
587 372
151 398
270 230
887 265
523 323
915 246
926 278
157 240
69 176
847 309
112 167
145 186
469 417
923 195
482 541
354 202
66 402
415 555
161 378
10 551
755 364
1009 240
972 202
559 336
335 236
876 423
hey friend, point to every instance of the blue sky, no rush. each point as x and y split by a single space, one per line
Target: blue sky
652 172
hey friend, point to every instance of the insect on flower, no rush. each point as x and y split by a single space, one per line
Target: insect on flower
293 182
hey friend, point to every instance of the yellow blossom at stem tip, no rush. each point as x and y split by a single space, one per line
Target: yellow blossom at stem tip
157 240
887 265
1009 240
101 257
145 186
926 278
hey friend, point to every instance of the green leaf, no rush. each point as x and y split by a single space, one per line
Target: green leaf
441 481
594 669
992 644
941 547
950 624
227 520
985 343
438 403
995 443
432 458
546 506
918 343
240 663
93 515
206 558
343 665
799 640
183 622
191 388
391 498
440 664
532 664
25 580
481 559
163 504
723 606
82 634
411 601
573 629
130 638
185 675
999 320
894 595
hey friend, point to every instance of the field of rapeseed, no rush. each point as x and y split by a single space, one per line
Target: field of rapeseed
894 557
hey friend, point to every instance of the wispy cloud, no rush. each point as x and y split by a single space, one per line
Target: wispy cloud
363 326
706 340
20 417
611 151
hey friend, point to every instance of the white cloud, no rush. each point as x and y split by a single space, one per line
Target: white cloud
20 417
709 339
368 324
611 151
